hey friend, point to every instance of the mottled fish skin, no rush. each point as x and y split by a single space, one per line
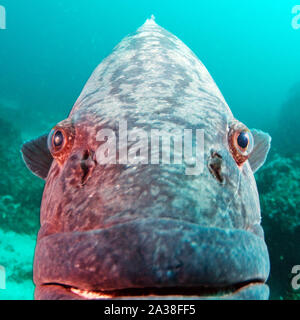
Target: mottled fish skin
153 81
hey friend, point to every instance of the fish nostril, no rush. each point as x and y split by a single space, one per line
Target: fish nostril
215 166
215 154
86 155
87 164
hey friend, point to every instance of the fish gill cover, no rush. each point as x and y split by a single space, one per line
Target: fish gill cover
257 69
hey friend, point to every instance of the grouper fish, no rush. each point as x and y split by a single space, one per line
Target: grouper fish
127 230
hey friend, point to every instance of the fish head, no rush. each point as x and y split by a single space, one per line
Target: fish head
150 188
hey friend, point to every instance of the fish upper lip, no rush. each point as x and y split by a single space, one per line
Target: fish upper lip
151 253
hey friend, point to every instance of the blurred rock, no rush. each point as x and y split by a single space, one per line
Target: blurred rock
20 191
278 183
279 186
286 137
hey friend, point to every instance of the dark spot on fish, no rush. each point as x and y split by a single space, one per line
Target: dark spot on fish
69 212
125 98
73 182
84 167
73 157
63 186
115 91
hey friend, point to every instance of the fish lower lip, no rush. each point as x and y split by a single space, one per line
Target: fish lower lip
150 253
236 291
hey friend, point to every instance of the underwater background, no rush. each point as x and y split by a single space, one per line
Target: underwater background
48 51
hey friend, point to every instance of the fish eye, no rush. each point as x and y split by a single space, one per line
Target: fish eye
60 140
244 142
56 140
241 143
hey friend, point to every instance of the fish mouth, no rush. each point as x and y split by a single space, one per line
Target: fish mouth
250 290
152 259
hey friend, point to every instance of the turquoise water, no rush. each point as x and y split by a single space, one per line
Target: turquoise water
50 48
